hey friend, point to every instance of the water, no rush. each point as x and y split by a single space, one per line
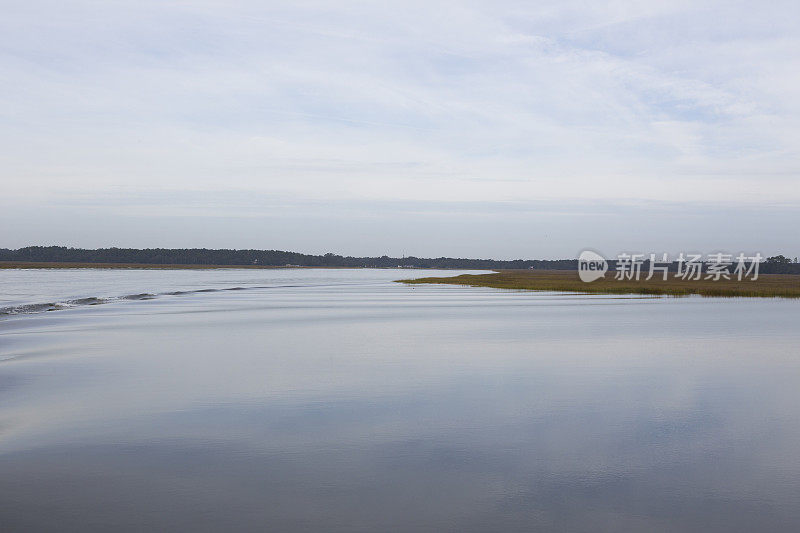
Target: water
335 400
33 291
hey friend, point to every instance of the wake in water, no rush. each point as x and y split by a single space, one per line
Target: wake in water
24 309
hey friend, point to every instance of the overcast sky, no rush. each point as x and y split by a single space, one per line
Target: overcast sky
481 129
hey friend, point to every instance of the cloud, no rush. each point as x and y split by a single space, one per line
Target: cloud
443 102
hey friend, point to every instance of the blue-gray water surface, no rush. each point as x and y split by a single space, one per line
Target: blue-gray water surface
336 400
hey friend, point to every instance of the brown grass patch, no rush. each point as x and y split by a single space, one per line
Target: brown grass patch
766 286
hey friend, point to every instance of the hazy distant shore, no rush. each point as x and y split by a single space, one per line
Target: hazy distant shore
4 265
148 266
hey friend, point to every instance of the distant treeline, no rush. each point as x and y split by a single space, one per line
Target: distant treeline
204 256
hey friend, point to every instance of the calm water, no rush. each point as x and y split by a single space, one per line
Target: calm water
335 400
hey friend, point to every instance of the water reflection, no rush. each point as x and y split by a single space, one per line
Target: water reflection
374 407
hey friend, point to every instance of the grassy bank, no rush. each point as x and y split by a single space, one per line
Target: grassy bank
766 286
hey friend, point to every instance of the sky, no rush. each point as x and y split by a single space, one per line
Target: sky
467 129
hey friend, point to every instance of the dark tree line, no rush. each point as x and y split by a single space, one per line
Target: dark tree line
203 256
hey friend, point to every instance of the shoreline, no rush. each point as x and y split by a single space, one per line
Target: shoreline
766 286
7 265
10 265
